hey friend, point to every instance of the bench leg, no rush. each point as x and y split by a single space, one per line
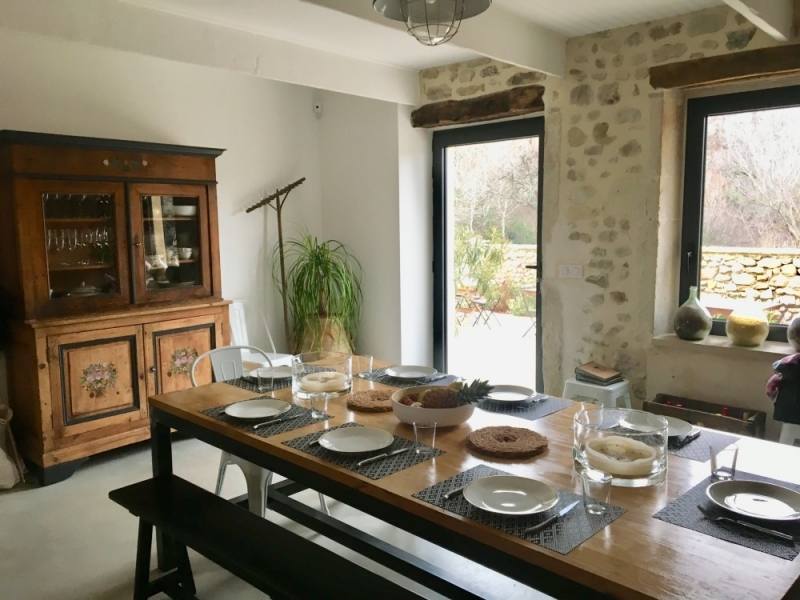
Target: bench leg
185 575
141 580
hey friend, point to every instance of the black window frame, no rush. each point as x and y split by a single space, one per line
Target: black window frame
461 136
697 112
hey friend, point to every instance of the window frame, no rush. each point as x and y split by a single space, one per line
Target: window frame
697 112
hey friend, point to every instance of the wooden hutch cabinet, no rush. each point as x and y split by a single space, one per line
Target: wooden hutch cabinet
109 261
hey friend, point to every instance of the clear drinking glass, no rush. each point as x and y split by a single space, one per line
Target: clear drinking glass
424 438
723 463
596 489
366 363
265 379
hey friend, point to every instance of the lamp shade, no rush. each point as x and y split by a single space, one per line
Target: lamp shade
431 22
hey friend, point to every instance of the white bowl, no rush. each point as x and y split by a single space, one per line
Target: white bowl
185 211
443 417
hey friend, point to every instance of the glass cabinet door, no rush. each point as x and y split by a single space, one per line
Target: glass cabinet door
82 245
170 241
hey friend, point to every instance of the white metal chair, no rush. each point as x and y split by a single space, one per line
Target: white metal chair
227 364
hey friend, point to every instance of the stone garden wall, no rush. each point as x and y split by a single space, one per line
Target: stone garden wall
771 276
517 256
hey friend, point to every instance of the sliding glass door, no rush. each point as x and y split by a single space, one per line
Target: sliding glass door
487 251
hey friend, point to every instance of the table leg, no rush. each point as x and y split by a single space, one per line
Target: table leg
161 453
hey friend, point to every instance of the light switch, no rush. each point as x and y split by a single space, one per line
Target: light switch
570 271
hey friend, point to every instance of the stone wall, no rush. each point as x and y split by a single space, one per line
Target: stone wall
771 276
515 259
602 179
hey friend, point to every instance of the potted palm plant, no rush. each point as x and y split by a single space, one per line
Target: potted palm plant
323 292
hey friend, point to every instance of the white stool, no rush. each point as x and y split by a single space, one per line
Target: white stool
608 396
790 434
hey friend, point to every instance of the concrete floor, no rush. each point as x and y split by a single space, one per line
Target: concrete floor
68 541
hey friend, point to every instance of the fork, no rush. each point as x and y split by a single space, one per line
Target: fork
746 524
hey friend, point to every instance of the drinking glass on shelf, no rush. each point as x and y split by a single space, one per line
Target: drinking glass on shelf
424 438
51 240
596 490
72 239
723 462
61 240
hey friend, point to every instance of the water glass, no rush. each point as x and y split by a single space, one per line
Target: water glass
318 403
596 488
424 438
723 463
366 363
265 379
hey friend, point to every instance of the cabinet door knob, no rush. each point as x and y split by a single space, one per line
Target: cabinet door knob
153 369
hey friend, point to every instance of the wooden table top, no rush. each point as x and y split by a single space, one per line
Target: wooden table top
636 556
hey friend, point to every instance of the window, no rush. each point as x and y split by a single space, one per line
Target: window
741 211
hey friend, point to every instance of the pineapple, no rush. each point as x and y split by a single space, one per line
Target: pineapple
455 394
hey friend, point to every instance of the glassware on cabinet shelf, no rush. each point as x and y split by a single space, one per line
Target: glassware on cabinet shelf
81 258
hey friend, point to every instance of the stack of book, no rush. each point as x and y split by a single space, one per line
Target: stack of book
591 372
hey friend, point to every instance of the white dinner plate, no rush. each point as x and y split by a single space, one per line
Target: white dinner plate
280 372
510 394
350 440
511 495
410 372
678 427
757 499
258 408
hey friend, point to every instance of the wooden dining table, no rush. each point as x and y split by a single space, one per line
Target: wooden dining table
636 556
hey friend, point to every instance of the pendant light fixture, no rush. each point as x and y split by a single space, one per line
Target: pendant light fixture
431 22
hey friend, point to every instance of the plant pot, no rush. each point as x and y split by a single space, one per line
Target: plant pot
327 335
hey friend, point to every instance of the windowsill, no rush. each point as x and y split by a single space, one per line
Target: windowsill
720 344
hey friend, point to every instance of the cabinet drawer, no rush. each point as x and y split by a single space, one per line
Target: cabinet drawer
123 164
172 346
96 379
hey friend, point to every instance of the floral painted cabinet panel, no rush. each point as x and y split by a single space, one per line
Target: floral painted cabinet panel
96 379
171 348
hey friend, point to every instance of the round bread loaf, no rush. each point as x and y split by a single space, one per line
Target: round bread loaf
507 442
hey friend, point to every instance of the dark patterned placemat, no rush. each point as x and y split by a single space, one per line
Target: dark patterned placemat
303 418
251 384
562 536
540 407
683 512
699 449
380 376
374 470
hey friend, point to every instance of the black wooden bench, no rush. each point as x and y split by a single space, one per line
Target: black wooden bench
269 557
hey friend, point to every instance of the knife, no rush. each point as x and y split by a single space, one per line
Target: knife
271 421
549 520
371 459
454 492
682 442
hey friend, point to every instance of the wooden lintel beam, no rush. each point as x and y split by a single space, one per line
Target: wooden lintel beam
765 62
514 102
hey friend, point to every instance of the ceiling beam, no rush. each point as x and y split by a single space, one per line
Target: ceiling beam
776 18
496 33
130 28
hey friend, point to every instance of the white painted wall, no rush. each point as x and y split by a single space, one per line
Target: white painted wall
359 165
268 128
416 240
